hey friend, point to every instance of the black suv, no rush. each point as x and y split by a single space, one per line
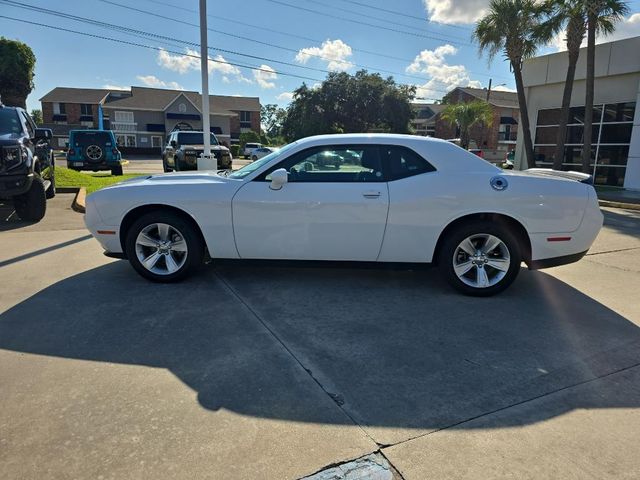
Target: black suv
27 168
184 147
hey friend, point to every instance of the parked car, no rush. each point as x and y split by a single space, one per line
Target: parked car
508 161
27 169
477 151
94 150
248 149
184 147
409 199
258 153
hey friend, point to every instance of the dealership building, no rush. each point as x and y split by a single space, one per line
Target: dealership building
616 116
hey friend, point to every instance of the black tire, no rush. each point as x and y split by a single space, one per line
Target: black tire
165 167
117 170
195 246
32 205
254 158
51 191
449 249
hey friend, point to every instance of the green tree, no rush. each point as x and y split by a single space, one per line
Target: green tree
249 137
17 63
466 115
601 15
37 116
346 103
510 28
271 118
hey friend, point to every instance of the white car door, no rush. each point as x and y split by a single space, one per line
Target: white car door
333 207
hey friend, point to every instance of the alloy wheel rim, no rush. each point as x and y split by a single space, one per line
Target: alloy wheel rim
481 260
94 152
161 248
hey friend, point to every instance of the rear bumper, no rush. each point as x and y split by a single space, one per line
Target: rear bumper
556 261
104 165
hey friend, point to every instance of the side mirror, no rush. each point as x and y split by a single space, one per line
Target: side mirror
279 178
42 134
173 144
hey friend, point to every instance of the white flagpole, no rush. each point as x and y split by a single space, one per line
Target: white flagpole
206 161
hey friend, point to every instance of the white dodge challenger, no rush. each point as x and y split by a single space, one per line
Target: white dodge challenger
355 197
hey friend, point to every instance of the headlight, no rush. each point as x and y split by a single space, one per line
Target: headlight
14 156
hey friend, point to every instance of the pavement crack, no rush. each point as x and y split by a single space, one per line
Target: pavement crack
336 398
522 402
613 251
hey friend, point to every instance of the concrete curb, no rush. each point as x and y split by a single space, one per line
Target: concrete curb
79 201
627 206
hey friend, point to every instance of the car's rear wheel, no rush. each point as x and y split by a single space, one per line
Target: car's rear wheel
117 170
254 158
480 258
164 247
51 191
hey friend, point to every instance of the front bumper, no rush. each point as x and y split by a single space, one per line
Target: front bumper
14 185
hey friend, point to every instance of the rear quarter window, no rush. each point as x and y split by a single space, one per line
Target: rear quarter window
402 162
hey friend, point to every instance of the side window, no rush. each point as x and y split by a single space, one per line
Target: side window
403 162
28 125
332 164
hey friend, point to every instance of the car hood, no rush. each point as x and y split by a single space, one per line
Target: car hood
7 139
201 147
175 178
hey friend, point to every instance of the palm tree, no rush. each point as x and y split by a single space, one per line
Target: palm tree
572 15
466 115
601 17
510 27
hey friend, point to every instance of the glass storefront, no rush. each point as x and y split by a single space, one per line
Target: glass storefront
611 136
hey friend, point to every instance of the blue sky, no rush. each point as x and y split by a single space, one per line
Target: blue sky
428 45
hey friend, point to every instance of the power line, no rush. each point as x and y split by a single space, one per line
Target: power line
328 59
385 20
394 12
430 37
266 29
151 47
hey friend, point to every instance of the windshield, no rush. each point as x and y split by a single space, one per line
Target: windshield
9 122
252 167
195 138
83 139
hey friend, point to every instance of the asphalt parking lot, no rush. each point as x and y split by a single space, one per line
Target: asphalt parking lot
269 372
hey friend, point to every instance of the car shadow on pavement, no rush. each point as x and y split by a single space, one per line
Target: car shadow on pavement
392 348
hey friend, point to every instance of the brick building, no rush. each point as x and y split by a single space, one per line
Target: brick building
495 140
142 117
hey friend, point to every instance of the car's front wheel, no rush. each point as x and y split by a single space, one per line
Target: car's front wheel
480 258
164 247
32 205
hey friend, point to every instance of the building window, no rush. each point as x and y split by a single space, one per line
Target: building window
85 109
124 140
245 120
182 108
59 109
610 140
123 117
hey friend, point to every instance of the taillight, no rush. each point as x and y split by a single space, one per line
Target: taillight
72 151
114 151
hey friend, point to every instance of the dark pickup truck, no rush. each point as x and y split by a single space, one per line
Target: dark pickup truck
27 169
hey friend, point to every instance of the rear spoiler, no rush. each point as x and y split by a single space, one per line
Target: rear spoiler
571 175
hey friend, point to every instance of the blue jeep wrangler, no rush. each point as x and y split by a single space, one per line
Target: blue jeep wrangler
94 150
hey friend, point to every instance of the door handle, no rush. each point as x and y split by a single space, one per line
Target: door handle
371 194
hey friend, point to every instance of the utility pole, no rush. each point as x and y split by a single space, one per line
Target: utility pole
489 89
205 162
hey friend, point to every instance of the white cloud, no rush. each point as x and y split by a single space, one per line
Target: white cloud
502 88
443 77
110 86
264 76
456 11
334 52
153 81
191 62
629 27
285 97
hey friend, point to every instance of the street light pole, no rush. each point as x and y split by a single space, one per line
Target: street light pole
205 162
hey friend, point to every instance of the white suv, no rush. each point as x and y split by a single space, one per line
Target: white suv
249 148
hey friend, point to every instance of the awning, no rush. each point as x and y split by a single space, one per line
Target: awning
183 116
508 121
